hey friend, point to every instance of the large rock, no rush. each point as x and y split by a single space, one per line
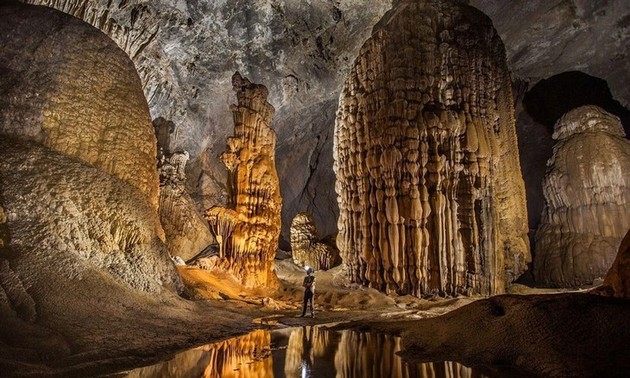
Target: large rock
587 195
71 88
431 196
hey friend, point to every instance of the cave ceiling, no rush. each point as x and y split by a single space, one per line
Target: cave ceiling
186 52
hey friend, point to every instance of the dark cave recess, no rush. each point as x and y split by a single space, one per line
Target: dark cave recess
551 98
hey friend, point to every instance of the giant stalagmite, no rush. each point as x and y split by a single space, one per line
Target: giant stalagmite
587 195
247 229
430 190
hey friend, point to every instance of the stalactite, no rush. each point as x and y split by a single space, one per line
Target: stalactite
587 199
248 229
306 249
430 190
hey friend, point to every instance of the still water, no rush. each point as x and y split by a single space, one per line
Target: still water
300 353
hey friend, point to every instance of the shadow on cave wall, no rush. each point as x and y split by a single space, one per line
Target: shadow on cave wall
543 105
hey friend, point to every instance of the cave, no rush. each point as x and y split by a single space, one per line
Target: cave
452 173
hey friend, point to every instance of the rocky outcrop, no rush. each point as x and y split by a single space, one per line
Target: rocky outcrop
587 195
75 92
186 231
67 220
430 192
248 228
617 280
305 247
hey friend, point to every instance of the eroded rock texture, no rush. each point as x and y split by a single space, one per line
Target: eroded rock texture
587 194
67 220
77 92
248 228
430 192
307 250
186 231
618 277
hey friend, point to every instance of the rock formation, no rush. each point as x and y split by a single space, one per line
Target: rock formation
54 111
617 280
306 249
76 92
186 231
430 192
248 228
185 53
587 199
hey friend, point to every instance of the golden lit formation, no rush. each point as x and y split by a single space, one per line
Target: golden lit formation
431 196
247 229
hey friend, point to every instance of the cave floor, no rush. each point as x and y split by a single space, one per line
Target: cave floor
139 331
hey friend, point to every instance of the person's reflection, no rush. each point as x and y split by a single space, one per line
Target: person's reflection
307 352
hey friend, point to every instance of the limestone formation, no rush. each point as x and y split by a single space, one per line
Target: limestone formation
186 231
431 196
67 220
247 229
618 277
587 199
76 92
305 247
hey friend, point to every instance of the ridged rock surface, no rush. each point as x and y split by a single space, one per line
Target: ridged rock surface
247 229
306 249
186 231
587 194
430 192
66 220
75 91
618 277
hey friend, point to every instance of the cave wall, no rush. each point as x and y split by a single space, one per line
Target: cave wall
586 199
302 51
78 191
430 190
76 92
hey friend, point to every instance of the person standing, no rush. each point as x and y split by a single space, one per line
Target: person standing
309 291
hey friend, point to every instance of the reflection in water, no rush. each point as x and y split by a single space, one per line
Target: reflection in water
300 353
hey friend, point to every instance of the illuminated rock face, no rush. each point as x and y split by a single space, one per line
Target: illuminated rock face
248 229
430 190
587 199
307 251
76 92
78 191
67 220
